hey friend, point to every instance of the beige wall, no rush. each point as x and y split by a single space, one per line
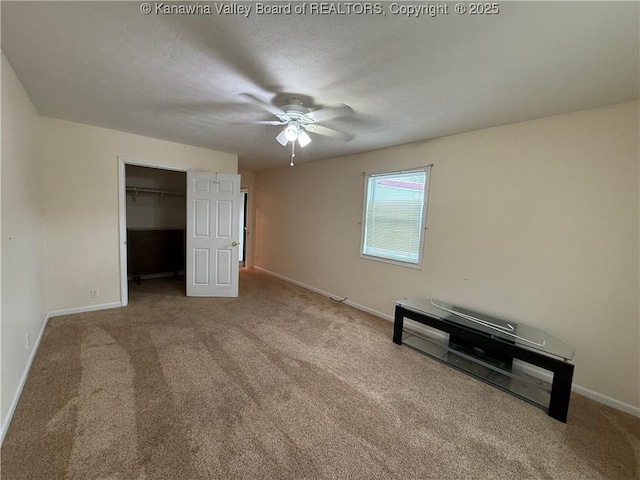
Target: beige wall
146 210
80 171
23 305
535 222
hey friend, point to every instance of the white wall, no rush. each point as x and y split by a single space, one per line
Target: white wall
150 211
23 305
535 222
80 172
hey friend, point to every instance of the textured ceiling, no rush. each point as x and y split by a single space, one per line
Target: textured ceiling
180 77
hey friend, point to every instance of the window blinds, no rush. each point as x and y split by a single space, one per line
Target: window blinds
394 215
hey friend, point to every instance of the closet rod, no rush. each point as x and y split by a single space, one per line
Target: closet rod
135 190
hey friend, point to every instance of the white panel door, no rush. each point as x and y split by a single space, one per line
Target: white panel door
213 215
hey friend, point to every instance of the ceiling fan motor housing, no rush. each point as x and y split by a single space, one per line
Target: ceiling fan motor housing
296 111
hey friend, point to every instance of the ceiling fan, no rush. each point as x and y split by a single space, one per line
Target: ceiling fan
298 120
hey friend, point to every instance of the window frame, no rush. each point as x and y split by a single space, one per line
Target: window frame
423 221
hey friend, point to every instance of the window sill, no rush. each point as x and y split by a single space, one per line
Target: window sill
415 266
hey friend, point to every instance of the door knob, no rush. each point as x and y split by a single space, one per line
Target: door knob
234 244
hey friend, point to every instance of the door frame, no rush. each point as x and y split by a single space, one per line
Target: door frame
122 214
245 213
249 246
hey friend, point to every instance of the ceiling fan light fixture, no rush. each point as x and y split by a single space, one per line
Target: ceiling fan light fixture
281 139
291 132
303 138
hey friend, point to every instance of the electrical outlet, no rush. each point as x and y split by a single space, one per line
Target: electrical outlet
94 293
28 342
317 280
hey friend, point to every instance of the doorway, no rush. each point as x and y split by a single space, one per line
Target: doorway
152 217
211 207
243 225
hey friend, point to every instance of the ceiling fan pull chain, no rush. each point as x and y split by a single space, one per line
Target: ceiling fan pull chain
293 152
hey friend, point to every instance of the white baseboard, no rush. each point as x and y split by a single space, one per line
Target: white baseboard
605 400
89 308
326 294
23 380
530 369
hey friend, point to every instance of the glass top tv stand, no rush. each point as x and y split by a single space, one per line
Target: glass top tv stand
485 347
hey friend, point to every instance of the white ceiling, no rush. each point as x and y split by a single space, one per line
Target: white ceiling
179 77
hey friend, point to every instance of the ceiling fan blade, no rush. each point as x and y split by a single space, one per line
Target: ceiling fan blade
329 113
282 140
270 122
261 103
329 132
303 138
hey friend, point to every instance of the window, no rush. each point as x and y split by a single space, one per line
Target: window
395 210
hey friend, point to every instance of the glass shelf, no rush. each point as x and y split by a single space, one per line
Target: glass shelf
523 335
510 378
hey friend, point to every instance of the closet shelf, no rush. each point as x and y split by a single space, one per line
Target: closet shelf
152 191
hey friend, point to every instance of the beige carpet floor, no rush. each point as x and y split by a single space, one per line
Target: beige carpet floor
281 383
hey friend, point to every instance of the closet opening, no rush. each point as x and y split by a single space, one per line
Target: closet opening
156 223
